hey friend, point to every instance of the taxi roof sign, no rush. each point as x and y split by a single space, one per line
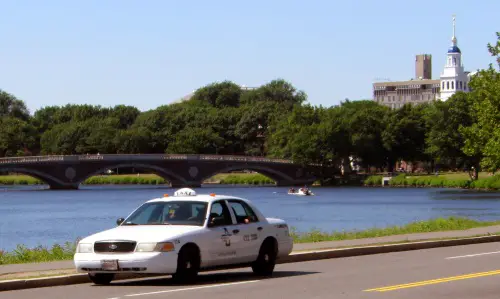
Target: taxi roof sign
185 192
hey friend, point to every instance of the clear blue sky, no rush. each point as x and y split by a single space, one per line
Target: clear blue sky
148 53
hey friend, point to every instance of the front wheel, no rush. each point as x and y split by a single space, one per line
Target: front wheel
101 278
188 265
264 265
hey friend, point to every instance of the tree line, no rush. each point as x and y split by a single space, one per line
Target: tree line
274 120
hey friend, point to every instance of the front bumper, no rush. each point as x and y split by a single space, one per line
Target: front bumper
134 262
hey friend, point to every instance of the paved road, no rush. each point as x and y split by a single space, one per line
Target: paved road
461 272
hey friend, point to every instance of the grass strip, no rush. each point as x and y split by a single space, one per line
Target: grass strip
439 181
146 179
425 226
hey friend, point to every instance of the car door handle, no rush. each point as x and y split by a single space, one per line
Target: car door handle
235 231
259 228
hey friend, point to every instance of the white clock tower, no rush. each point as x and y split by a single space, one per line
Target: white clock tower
453 78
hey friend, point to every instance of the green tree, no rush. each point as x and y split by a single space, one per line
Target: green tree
72 113
253 127
263 108
125 114
16 136
195 141
310 145
219 95
404 135
65 139
44 118
278 91
133 141
12 106
482 138
494 49
161 124
101 136
444 141
224 122
286 129
364 122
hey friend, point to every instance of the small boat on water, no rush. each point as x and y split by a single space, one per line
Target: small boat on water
300 192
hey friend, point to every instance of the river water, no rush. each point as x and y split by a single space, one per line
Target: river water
32 217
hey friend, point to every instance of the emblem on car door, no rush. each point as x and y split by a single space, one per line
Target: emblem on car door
225 237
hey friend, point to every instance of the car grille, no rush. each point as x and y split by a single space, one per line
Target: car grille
114 246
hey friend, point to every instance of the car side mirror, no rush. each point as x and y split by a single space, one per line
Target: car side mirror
120 221
215 221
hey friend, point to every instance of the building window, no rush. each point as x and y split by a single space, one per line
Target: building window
460 84
452 84
443 84
447 84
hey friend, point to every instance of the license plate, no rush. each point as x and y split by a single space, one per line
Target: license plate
109 265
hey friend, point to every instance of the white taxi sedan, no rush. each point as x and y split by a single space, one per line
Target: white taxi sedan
183 235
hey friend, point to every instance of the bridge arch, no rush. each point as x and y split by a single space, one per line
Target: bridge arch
160 171
42 176
267 171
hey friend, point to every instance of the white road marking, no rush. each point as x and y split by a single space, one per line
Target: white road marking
471 255
191 289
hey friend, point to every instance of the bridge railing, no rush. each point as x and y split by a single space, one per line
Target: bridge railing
111 157
243 159
32 159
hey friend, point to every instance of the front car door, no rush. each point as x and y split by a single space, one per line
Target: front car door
249 237
219 239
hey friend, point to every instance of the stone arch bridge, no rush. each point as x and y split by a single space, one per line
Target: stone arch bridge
181 170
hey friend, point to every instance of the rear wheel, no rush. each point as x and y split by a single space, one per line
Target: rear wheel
101 278
264 265
188 265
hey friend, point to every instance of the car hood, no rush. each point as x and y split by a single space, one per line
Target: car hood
143 233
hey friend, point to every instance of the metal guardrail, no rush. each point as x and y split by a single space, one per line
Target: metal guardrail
111 157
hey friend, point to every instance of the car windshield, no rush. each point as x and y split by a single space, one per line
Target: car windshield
169 213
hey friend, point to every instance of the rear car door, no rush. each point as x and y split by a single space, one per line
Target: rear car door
249 230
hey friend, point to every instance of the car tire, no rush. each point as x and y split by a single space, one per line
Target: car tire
266 260
101 278
188 265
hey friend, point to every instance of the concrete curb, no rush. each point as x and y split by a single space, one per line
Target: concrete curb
294 257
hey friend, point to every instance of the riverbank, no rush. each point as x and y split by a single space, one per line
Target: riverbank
146 179
453 180
22 254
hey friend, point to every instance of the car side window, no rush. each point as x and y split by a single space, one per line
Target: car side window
219 209
243 212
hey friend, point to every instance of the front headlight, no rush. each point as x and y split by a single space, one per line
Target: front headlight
84 248
158 247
